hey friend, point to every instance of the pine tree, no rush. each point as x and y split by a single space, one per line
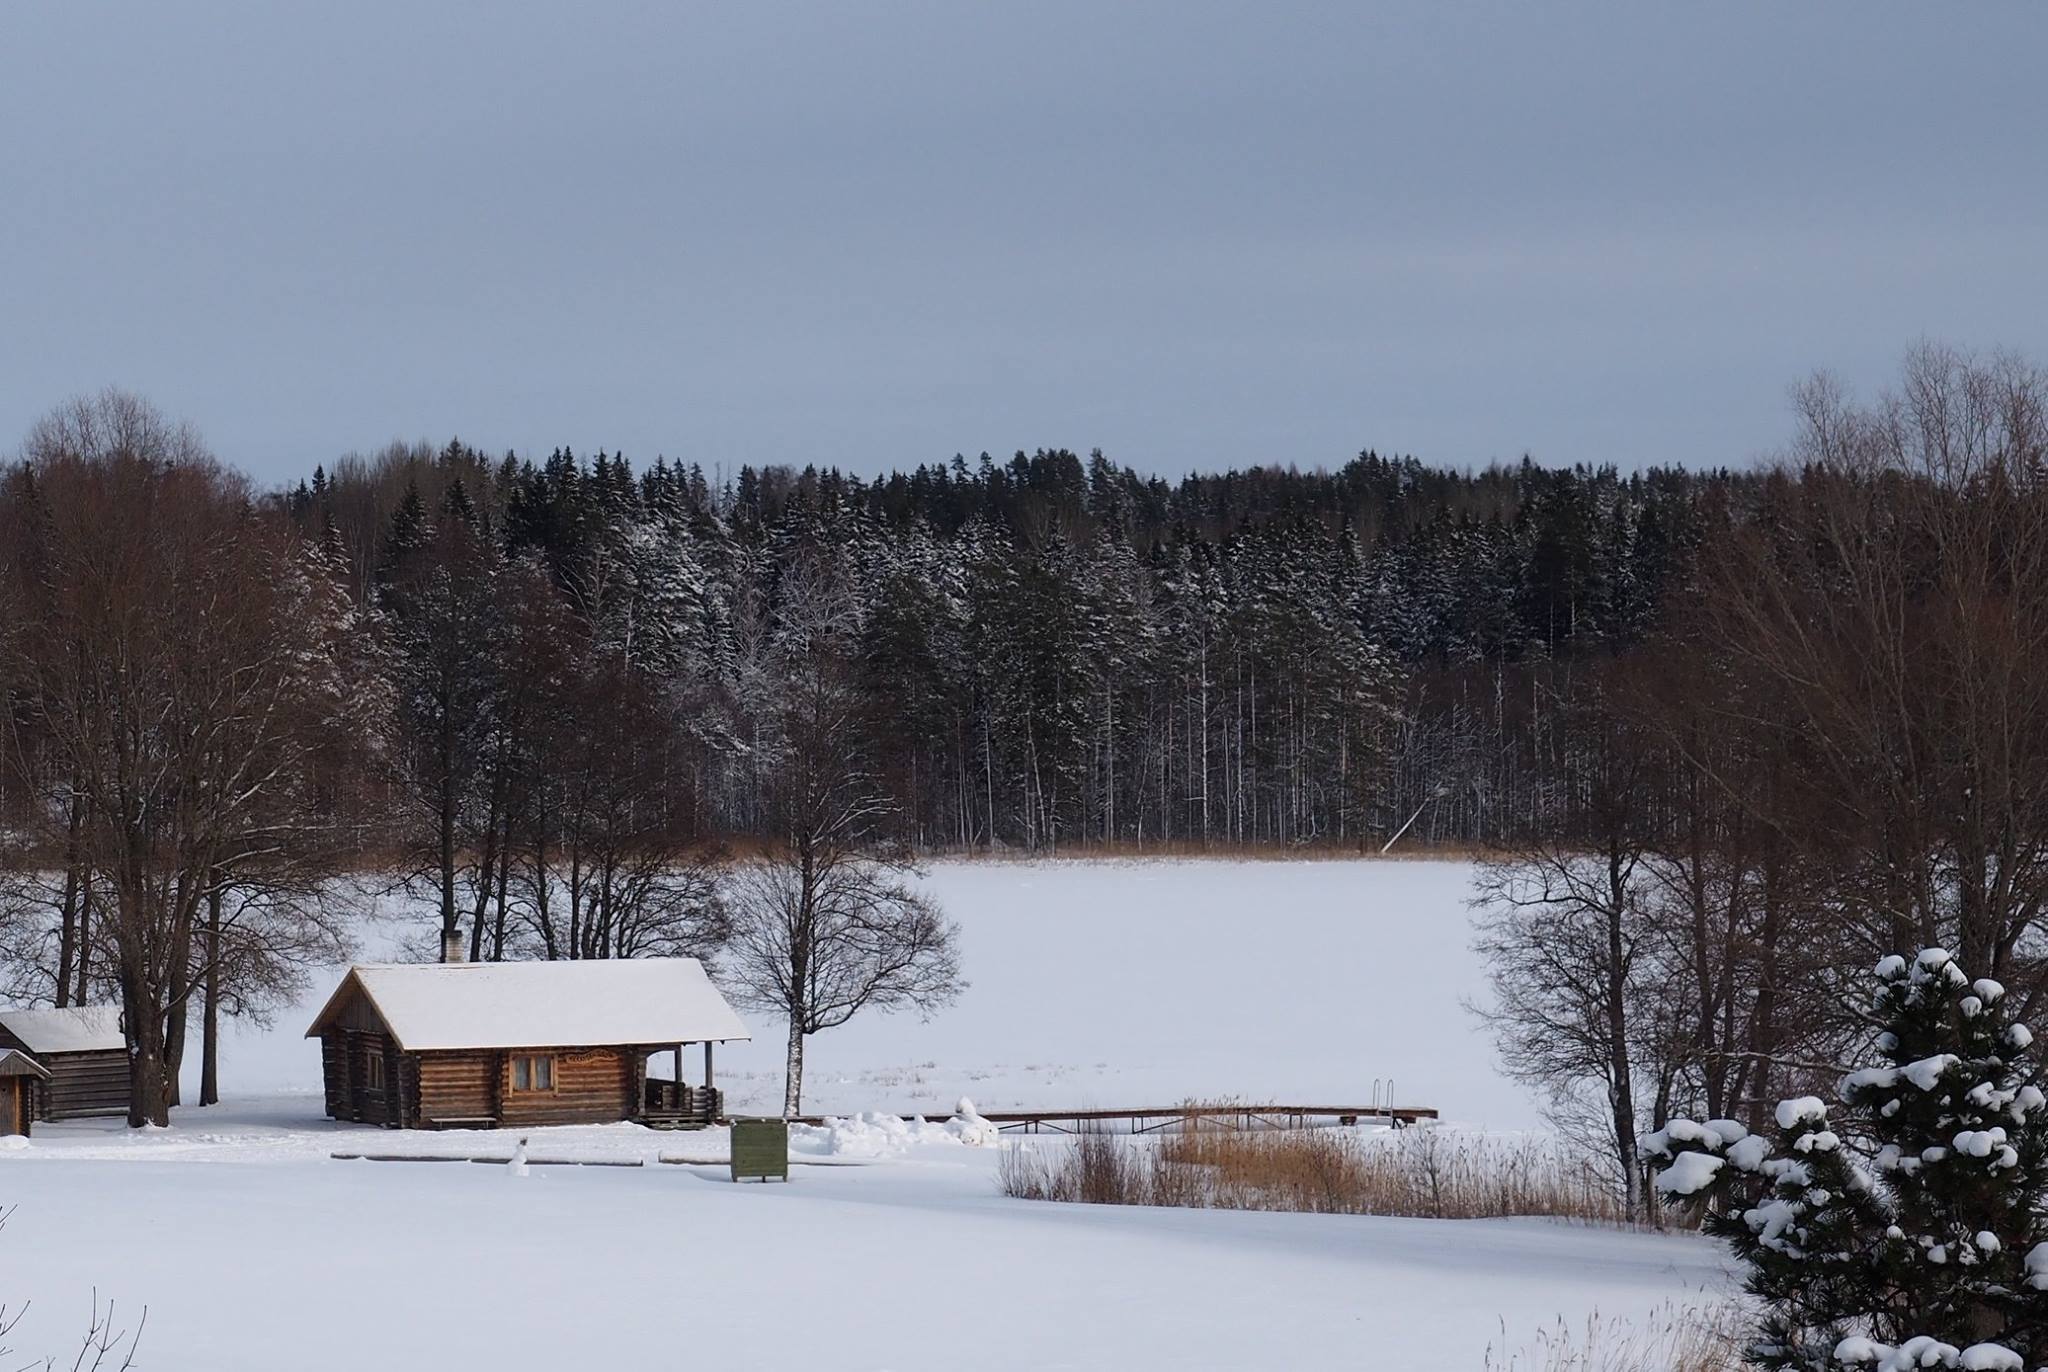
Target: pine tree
407 534
1918 1235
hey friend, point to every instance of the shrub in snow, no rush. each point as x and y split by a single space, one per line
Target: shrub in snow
1908 1229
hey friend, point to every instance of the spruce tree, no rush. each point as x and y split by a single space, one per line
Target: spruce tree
407 533
1917 1235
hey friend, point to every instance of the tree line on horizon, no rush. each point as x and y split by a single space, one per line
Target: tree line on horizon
1059 652
1792 706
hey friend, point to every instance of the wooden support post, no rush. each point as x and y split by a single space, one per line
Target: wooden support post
707 1064
679 1072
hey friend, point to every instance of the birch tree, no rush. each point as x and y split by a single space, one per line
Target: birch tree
829 923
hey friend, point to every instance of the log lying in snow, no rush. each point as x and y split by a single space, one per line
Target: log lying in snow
580 1162
496 1161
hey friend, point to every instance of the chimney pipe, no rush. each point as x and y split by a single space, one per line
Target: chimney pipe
452 945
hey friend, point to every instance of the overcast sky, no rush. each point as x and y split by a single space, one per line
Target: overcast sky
1190 234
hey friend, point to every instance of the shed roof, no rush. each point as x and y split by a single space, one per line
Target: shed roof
14 1063
74 1029
436 1006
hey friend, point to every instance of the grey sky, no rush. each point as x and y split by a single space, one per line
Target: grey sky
1189 234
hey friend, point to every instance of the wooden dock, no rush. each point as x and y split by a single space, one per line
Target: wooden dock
1185 1118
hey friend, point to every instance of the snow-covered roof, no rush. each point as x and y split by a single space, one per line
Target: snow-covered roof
435 1006
75 1029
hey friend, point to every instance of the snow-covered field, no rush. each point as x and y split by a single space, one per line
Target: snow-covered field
1124 983
1093 984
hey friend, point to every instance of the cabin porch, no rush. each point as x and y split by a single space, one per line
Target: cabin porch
672 1102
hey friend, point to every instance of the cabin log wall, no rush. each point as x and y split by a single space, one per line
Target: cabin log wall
397 1111
592 1086
334 1075
459 1086
81 1084
344 1065
92 1082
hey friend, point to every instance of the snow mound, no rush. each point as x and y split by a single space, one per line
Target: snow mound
877 1134
970 1128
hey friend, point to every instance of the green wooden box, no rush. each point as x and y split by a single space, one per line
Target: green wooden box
760 1148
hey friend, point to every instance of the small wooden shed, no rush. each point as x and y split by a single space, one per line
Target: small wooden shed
482 1045
84 1052
20 1078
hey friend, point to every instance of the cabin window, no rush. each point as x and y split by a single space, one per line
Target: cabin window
533 1072
373 1072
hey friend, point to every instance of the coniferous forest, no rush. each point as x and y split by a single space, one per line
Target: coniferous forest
1055 651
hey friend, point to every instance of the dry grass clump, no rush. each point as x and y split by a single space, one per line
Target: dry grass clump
1420 1172
1672 1338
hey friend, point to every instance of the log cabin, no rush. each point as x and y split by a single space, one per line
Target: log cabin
84 1052
20 1078
509 1044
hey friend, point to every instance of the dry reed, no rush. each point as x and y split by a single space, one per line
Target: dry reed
1421 1172
1672 1338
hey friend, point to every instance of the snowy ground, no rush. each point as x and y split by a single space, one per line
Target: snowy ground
1131 983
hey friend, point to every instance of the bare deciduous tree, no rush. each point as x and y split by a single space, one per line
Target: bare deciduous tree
818 941
1565 936
1895 602
829 924
188 660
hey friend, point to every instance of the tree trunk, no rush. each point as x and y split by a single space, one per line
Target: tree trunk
988 769
1621 1084
147 1101
185 897
793 1071
174 1027
446 825
70 934
1714 1067
84 941
209 1034
486 871
504 873
494 857
1764 1033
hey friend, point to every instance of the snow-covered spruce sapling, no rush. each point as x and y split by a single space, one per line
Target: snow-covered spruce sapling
1910 1231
